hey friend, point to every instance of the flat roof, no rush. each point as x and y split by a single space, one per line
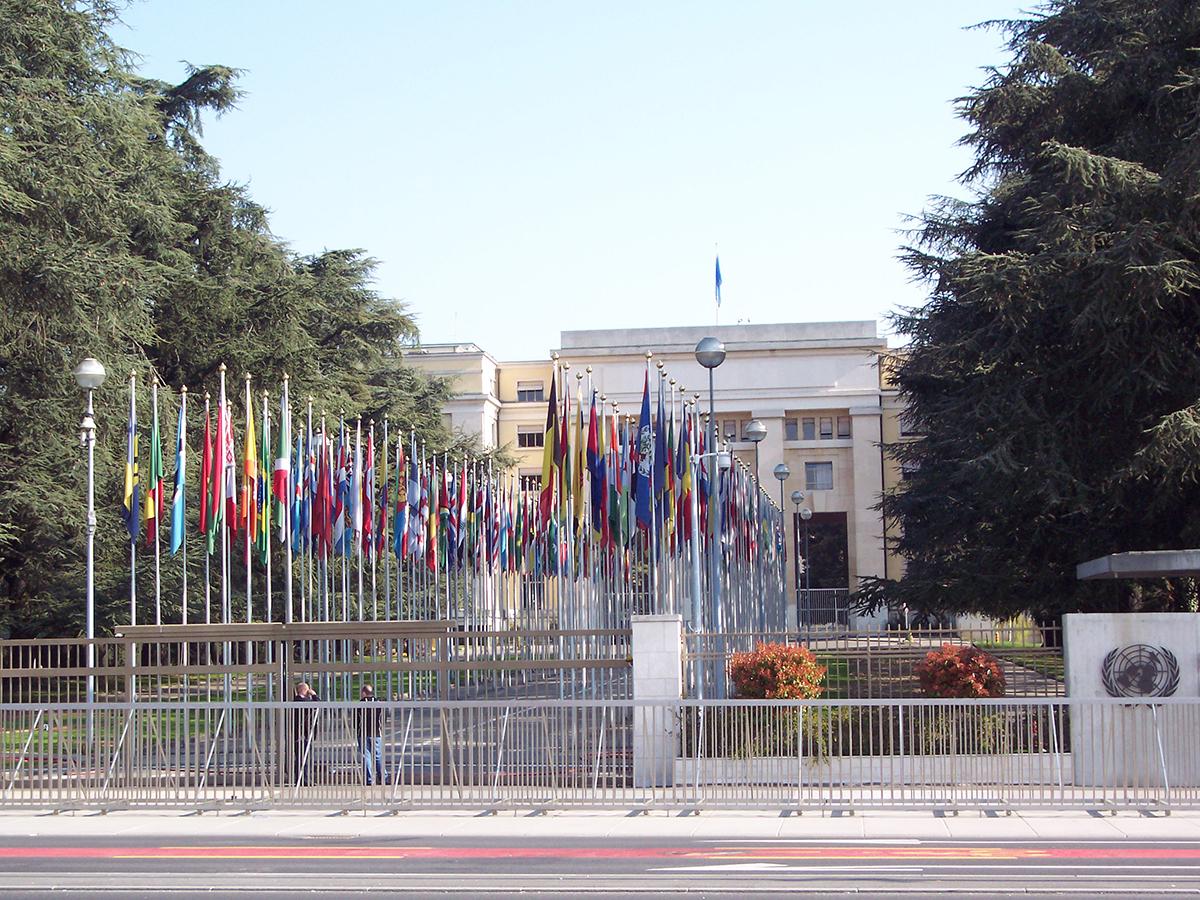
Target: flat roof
1140 564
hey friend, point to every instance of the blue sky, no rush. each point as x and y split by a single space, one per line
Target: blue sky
521 168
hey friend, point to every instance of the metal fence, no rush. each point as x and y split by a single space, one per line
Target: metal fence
263 661
880 664
1030 753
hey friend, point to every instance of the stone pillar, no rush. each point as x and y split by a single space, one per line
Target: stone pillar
866 525
1137 655
657 679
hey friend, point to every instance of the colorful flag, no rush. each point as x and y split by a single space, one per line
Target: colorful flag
206 469
718 280
643 461
249 513
400 516
323 501
549 454
177 497
262 488
281 476
154 481
132 508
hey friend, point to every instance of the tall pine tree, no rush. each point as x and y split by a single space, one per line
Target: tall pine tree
1055 370
119 240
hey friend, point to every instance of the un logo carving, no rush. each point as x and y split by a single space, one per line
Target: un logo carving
1140 670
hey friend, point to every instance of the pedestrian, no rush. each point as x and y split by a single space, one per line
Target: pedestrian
304 723
369 726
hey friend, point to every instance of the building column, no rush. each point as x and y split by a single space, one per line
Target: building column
867 524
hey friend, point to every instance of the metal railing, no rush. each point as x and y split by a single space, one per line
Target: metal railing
404 661
991 754
879 664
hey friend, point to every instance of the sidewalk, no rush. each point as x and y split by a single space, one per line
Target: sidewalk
605 824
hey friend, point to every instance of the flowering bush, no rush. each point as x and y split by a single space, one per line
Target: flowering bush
777 672
960 672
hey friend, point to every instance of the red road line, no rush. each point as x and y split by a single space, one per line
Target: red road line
714 853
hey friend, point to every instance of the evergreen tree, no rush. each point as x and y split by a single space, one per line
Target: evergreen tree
1055 370
119 240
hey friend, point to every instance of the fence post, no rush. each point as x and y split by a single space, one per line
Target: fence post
657 679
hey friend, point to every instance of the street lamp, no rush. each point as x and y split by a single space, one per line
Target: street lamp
755 432
89 375
710 353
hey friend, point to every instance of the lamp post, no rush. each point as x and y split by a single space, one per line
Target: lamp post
710 353
89 375
755 432
782 473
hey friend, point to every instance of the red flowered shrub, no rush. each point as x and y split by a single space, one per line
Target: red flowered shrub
960 672
777 672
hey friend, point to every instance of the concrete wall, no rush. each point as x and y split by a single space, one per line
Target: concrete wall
1141 655
657 678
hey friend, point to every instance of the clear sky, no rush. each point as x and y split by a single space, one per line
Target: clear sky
521 168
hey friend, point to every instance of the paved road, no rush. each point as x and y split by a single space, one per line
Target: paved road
671 864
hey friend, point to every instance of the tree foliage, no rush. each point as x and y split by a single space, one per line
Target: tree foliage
120 240
1054 371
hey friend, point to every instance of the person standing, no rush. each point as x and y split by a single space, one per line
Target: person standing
304 723
369 726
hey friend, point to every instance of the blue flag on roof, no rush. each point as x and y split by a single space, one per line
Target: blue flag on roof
718 280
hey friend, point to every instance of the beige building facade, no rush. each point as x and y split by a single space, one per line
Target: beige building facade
820 389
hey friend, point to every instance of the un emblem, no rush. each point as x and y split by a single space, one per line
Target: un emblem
1140 670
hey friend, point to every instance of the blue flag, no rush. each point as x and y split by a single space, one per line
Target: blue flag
642 482
718 280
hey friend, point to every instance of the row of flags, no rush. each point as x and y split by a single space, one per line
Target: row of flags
607 484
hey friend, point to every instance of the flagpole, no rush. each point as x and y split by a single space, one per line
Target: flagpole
385 530
135 513
309 489
369 510
183 392
264 524
285 527
248 499
156 501
203 500
221 513
356 508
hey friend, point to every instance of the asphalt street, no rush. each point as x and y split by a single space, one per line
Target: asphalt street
600 855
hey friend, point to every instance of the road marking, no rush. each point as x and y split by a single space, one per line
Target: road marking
782 869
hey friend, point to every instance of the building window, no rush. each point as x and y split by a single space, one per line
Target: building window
908 469
908 424
808 429
826 428
530 392
843 427
818 476
531 482
729 430
530 436
791 430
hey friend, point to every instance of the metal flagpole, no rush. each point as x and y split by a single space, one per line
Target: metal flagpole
356 507
385 525
369 496
265 511
205 498
182 441
285 526
247 499
156 501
